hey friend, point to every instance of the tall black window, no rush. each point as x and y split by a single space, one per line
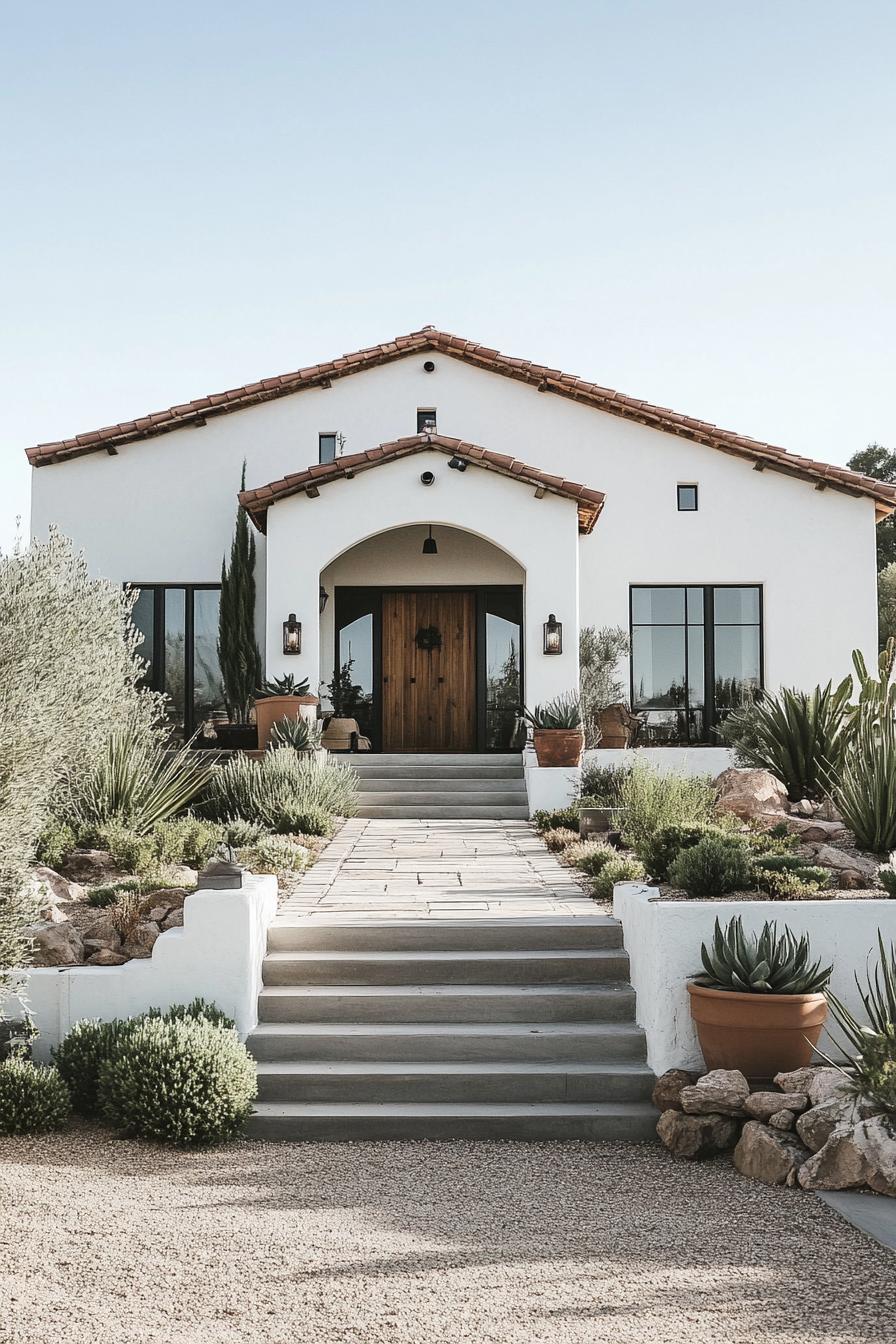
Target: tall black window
179 624
696 655
326 447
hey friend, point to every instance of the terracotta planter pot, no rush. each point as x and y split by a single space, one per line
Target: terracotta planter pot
273 708
760 1034
558 746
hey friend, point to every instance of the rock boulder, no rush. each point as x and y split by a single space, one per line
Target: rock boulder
763 1105
723 1091
769 1155
55 944
697 1136
667 1092
817 1125
141 940
751 793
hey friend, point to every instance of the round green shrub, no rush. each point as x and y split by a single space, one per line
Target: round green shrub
887 878
240 834
714 866
56 842
33 1099
195 1010
659 850
559 838
304 821
79 1057
183 1082
590 856
623 868
561 818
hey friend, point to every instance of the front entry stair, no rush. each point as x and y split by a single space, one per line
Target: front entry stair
433 787
429 1029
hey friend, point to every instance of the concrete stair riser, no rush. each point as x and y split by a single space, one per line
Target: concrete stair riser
584 1043
463 783
468 797
448 769
610 1122
438 1003
445 812
411 759
484 935
438 968
390 1082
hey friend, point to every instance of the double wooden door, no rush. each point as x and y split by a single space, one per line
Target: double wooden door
429 671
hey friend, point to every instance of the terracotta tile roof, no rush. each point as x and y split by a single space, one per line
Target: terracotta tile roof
256 502
112 437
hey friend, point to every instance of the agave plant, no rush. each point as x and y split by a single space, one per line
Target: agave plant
301 734
139 783
770 963
282 686
563 712
800 736
872 1046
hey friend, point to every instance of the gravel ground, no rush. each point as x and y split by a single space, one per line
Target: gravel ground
110 1242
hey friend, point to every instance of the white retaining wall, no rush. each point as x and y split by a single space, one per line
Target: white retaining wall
663 941
668 760
217 955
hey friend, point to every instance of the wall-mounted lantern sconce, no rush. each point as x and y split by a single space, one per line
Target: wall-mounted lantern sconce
553 635
429 544
324 598
292 635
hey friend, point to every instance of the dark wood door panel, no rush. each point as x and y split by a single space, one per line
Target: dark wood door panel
429 695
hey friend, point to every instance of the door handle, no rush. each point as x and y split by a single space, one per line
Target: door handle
413 680
441 679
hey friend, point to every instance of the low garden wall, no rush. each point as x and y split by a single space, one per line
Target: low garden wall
663 938
668 760
217 955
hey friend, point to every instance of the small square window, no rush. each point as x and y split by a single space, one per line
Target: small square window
687 499
426 421
326 447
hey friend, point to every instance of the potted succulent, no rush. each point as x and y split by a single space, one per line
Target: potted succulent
557 733
759 1005
278 699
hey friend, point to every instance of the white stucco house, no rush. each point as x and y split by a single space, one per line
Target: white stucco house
432 484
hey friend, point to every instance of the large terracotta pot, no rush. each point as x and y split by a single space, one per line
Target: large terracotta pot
558 746
760 1034
272 708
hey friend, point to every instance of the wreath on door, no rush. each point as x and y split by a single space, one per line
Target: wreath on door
428 637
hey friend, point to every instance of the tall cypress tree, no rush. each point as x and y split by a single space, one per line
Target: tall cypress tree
237 647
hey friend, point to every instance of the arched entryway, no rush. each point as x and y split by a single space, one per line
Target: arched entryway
422 640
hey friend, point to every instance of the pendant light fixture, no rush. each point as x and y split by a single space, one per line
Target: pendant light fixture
429 545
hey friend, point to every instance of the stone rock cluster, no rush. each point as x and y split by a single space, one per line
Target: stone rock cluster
810 1130
756 795
58 941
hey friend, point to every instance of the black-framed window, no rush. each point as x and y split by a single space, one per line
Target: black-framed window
179 624
687 498
326 447
696 654
426 420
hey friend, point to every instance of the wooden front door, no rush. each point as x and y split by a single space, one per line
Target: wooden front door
429 694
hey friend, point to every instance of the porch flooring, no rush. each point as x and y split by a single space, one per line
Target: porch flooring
413 869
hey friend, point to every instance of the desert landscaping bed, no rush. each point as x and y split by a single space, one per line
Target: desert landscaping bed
492 1243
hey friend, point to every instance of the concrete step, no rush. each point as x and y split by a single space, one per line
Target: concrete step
504 935
435 1120
460 812
390 1004
468 1042
471 796
540 967
368 760
375 769
443 784
402 1081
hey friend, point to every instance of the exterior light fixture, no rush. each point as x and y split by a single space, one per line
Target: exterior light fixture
457 464
324 598
429 545
292 635
553 635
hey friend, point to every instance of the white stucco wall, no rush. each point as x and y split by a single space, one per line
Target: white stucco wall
539 537
162 510
663 939
667 760
217 955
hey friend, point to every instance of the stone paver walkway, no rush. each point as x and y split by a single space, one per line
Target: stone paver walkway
376 869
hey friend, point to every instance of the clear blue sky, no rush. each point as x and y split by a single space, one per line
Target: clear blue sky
693 202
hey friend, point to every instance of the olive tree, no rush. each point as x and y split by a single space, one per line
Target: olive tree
69 676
